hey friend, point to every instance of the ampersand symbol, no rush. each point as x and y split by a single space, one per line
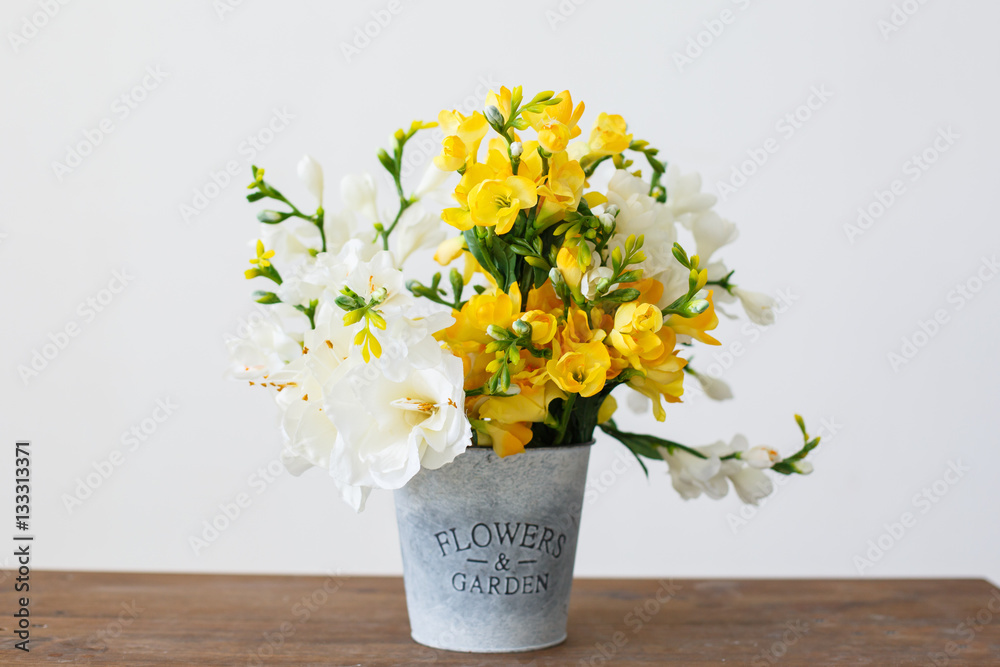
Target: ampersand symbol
502 563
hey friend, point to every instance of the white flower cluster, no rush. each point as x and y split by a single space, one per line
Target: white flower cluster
686 208
370 424
692 475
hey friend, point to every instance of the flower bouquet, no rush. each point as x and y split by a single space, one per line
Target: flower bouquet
476 396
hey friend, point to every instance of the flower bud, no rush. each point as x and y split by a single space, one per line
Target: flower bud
607 221
521 328
494 116
378 296
802 467
516 148
497 333
612 210
555 275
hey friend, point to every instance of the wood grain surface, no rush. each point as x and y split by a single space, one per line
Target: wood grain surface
170 619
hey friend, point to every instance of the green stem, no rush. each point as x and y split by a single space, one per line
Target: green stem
564 416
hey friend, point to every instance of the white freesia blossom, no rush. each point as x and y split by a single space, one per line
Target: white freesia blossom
759 307
347 416
432 184
691 475
359 195
760 457
641 214
685 199
712 232
311 174
714 388
588 285
265 349
387 430
417 229
291 242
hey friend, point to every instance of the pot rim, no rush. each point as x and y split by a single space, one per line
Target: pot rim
530 447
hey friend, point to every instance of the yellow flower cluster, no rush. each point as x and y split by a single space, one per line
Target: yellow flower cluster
567 346
585 353
518 174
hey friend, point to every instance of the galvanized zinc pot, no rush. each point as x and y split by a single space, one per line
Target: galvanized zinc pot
488 548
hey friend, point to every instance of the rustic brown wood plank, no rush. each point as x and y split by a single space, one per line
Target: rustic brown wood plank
167 619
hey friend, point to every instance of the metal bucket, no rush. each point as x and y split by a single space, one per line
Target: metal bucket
488 548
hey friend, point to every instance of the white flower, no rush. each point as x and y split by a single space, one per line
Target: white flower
417 229
358 193
264 350
714 388
387 430
291 242
760 457
691 475
311 174
711 232
641 214
759 307
588 285
684 196
432 182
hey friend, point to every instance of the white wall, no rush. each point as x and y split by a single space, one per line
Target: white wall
894 432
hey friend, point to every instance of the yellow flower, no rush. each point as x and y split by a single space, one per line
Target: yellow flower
501 101
553 136
609 135
556 124
462 137
459 217
635 333
495 203
506 439
570 268
563 187
582 370
450 250
453 154
482 310
697 326
531 405
607 409
261 260
543 326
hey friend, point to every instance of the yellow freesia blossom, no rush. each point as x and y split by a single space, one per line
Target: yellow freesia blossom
495 203
563 187
501 101
697 326
635 333
556 123
531 405
569 265
450 250
543 326
506 439
581 370
607 409
609 135
463 135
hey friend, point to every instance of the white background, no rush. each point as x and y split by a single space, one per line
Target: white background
890 432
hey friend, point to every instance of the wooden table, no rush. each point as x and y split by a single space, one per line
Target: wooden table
158 619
